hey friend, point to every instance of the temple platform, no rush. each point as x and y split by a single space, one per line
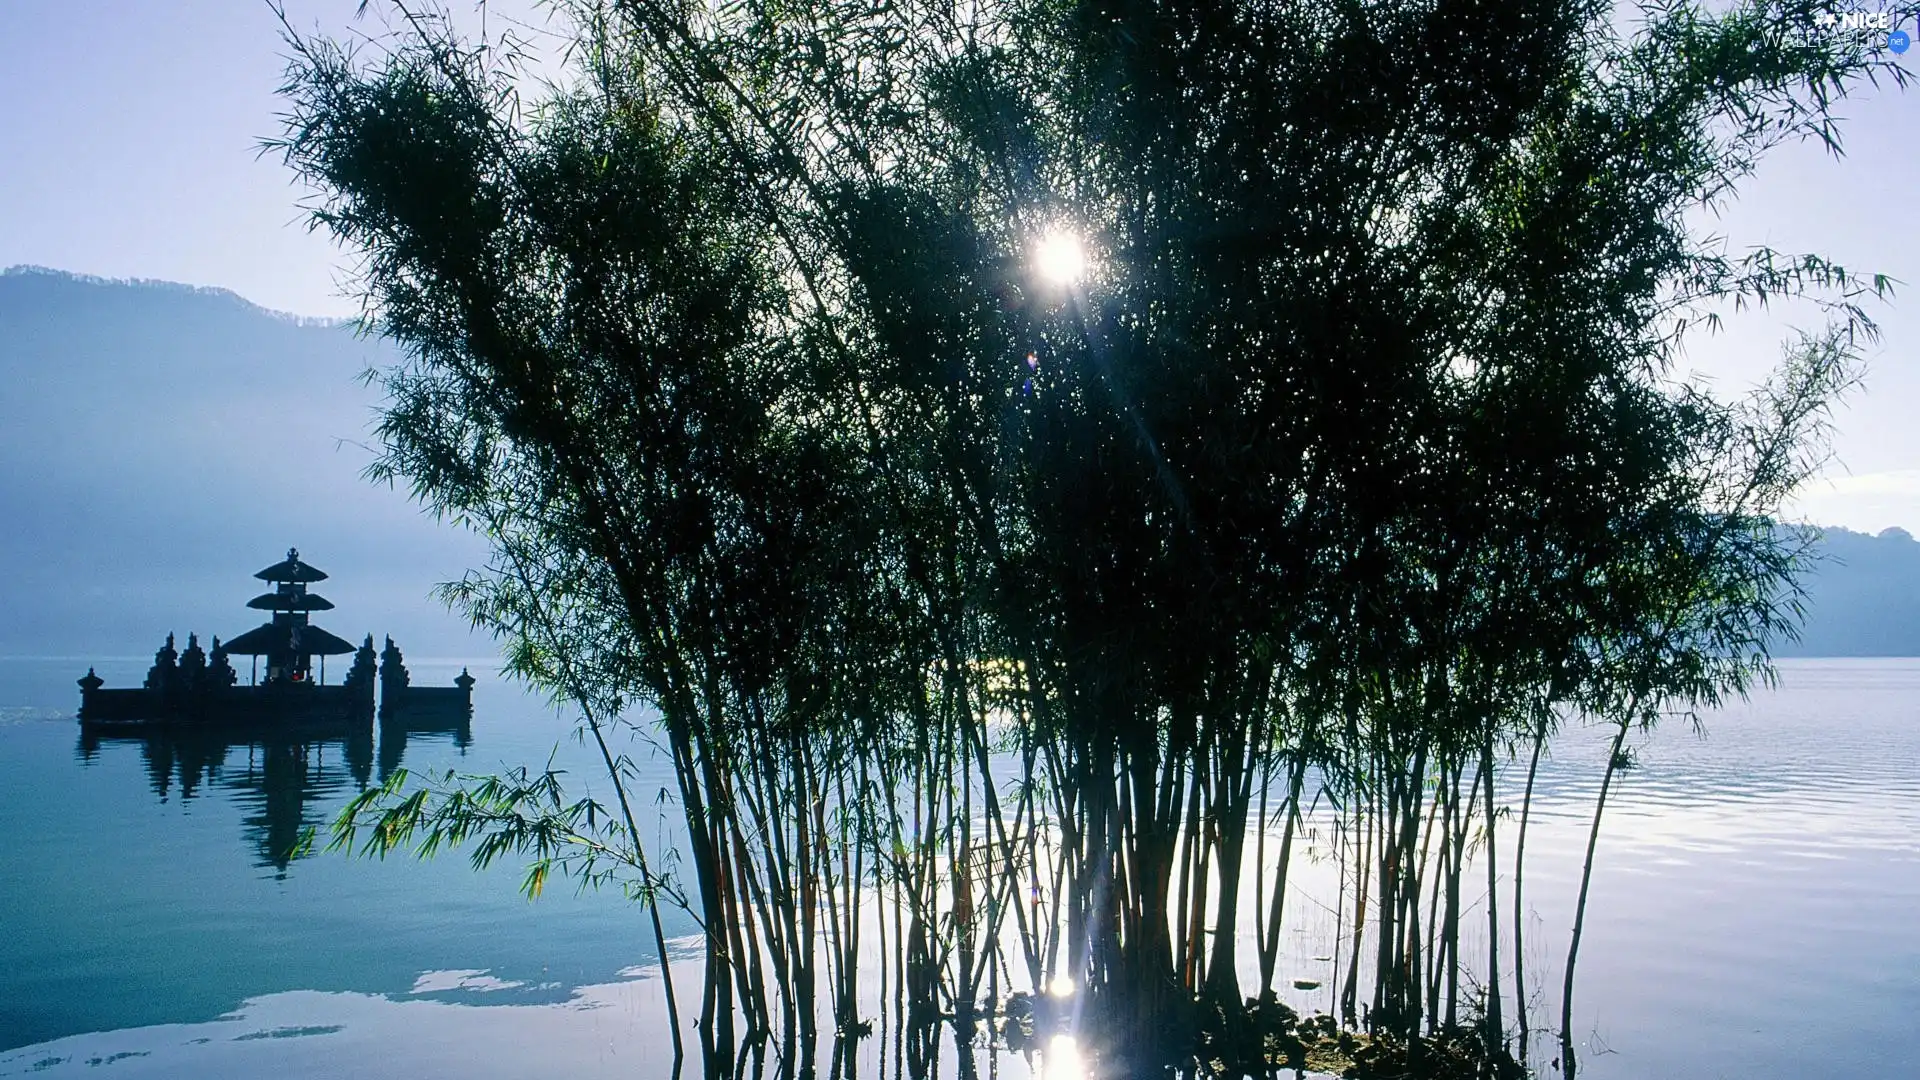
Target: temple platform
275 705
198 688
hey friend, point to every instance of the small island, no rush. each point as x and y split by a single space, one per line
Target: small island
198 687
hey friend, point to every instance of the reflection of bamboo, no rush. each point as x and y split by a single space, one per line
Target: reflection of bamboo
1539 737
1339 843
1567 1063
1434 955
1362 871
1494 1022
1270 936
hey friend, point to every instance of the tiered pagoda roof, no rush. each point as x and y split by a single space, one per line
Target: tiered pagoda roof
290 601
272 638
292 570
289 634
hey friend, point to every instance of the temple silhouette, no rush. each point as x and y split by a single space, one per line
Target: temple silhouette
198 687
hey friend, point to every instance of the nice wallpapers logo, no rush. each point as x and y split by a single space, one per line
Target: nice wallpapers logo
1877 23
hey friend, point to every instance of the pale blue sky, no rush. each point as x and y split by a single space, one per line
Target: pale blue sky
128 149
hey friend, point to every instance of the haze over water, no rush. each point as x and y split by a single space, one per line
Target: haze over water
1752 909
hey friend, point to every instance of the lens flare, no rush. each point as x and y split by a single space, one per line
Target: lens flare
1061 1060
1060 258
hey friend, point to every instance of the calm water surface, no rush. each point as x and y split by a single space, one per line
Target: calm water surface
1754 911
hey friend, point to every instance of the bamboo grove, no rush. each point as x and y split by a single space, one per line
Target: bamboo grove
1003 633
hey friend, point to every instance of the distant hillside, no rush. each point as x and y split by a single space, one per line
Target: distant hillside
1863 597
159 443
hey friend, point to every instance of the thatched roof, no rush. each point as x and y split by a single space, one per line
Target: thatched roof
274 601
269 638
291 569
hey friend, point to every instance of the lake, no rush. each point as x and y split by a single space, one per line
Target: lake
1754 907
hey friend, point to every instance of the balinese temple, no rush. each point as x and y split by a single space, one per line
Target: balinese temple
289 641
285 686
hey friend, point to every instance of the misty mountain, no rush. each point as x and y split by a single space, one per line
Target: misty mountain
159 443
1863 597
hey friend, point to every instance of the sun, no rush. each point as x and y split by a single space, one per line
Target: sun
1060 258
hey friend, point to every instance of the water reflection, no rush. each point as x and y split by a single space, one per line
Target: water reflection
394 732
603 1032
1785 839
278 780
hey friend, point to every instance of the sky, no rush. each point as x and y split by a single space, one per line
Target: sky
131 150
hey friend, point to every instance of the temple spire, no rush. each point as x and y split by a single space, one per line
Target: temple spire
289 641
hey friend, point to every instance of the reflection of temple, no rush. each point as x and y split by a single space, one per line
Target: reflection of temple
276 781
284 786
198 689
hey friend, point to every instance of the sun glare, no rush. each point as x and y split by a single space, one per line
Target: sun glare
1060 258
1061 1060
